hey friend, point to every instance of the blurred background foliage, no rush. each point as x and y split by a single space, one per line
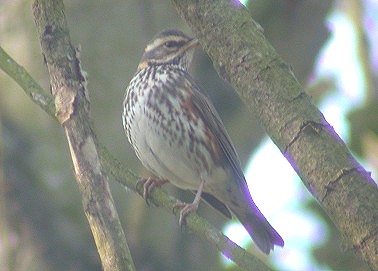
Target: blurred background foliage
42 224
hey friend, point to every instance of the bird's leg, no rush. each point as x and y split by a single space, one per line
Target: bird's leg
148 185
190 207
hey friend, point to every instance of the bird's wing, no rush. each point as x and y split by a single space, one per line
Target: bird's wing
208 113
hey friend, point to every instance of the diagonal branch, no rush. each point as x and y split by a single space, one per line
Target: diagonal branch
26 82
244 58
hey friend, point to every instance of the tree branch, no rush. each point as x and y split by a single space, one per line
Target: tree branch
68 87
117 171
244 58
26 82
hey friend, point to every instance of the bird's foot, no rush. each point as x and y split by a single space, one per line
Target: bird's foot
148 185
187 208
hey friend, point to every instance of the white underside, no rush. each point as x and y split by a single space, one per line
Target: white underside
170 161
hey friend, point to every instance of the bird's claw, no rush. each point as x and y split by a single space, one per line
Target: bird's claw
187 208
148 185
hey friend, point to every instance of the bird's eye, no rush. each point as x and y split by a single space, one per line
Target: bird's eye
170 44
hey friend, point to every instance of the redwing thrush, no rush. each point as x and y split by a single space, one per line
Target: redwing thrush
178 135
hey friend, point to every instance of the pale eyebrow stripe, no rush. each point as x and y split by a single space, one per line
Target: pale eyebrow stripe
160 41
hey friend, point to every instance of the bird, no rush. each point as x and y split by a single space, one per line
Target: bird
179 137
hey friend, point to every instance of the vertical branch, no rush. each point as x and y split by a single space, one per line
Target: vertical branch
354 11
68 87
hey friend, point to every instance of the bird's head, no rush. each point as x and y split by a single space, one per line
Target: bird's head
170 47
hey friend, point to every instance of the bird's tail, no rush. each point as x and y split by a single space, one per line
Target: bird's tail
258 227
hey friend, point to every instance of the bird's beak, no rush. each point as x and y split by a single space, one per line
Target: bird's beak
192 43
